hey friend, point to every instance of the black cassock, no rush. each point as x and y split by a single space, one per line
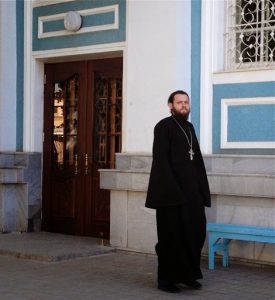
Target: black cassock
178 190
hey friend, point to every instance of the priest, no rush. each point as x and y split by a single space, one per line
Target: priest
179 191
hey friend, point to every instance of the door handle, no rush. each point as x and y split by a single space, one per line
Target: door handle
75 164
86 164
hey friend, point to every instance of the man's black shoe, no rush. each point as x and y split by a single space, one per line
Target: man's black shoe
168 287
193 284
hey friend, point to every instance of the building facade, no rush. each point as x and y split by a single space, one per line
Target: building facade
83 83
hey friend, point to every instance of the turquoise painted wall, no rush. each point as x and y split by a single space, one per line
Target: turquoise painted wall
195 63
250 123
83 39
20 73
245 122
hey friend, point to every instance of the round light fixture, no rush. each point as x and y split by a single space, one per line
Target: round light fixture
72 21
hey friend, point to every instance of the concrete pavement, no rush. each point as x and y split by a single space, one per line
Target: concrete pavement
83 268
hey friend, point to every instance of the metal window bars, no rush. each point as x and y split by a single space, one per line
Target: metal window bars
250 36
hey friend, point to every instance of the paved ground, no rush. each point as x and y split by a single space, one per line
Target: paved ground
75 274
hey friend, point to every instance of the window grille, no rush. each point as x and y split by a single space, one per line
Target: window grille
250 40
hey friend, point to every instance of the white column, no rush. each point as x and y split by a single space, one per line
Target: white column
8 75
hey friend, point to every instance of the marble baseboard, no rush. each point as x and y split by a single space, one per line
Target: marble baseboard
242 185
234 164
242 188
242 210
11 175
13 208
222 184
240 164
133 227
21 191
13 159
228 174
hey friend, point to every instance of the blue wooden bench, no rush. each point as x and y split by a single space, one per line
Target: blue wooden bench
220 235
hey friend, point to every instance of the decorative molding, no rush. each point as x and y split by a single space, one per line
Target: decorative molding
225 103
74 52
244 76
38 3
83 13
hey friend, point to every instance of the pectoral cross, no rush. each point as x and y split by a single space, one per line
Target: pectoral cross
192 153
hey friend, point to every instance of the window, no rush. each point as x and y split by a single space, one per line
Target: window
250 39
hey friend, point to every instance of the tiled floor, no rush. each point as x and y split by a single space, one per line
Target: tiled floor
119 275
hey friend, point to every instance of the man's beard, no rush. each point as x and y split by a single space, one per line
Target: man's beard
183 115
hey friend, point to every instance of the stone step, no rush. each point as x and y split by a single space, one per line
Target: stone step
11 175
13 159
254 185
14 207
233 164
240 164
135 162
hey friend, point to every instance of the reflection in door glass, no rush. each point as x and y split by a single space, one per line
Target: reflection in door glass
107 120
65 122
58 130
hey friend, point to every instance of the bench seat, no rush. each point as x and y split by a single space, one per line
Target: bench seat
220 235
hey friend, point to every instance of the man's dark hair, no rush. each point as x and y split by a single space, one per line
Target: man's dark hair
171 97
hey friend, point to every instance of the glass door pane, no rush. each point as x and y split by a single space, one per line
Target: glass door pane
66 95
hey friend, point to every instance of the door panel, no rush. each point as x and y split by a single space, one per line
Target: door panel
63 198
101 154
82 132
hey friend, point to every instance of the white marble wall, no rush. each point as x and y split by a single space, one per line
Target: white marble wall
242 191
133 226
20 191
13 207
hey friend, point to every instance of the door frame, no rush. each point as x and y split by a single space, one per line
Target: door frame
34 82
34 85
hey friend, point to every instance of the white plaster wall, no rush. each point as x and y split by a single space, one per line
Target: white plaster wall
156 62
7 76
133 226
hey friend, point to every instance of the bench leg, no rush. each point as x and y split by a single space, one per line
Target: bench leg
225 258
211 252
225 252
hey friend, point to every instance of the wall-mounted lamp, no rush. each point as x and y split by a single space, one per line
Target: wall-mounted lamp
72 21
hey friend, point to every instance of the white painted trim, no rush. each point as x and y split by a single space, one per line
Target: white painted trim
92 49
206 78
86 12
244 76
27 120
38 3
249 145
225 103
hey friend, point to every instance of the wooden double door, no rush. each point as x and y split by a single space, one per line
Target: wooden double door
82 133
